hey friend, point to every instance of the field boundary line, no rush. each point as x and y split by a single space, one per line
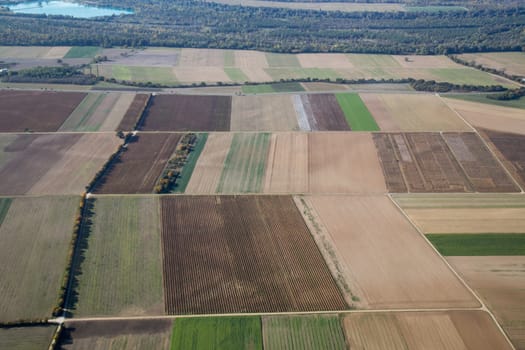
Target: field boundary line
483 306
457 113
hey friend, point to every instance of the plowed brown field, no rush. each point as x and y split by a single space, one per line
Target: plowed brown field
324 112
188 113
242 254
134 112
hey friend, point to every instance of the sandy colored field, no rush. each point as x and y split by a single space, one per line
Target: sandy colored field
500 282
510 62
393 266
35 237
57 52
118 111
453 330
287 164
491 117
252 64
412 61
201 58
324 6
412 112
325 60
344 163
198 74
77 167
207 172
460 200
33 51
263 113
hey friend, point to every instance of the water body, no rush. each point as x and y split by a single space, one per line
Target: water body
65 8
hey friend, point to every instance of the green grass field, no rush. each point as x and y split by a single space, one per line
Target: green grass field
218 333
188 168
357 115
236 74
482 98
483 244
373 61
468 76
121 273
5 203
82 52
302 73
162 75
282 60
303 332
79 117
26 338
272 88
459 200
35 236
245 164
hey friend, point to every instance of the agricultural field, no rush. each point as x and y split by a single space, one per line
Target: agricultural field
423 330
499 281
188 113
481 98
323 112
35 234
481 244
263 113
491 117
134 112
26 338
140 165
356 113
28 52
116 335
254 252
509 149
307 332
370 241
412 112
120 273
52 163
142 74
511 62
272 88
36 110
82 52
432 162
221 333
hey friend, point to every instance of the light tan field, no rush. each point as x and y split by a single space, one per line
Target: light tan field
412 112
324 6
77 167
412 61
57 52
390 261
201 58
33 51
344 163
325 60
117 112
500 282
510 62
198 74
287 164
482 115
208 169
263 113
453 330
250 59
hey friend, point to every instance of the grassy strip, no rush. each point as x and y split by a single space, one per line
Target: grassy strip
5 203
270 88
484 244
82 52
191 162
236 74
482 98
219 333
357 115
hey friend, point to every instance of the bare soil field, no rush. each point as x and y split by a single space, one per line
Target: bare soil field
134 112
485 116
325 60
343 163
287 164
499 281
50 52
483 171
450 330
509 149
116 335
207 172
35 236
387 260
36 110
412 112
188 113
140 165
326 114
201 58
510 62
242 254
263 113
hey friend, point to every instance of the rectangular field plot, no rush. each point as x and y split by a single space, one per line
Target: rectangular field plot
116 335
36 110
356 113
134 112
510 62
386 263
26 338
482 244
499 281
220 333
226 254
140 165
412 112
424 330
303 332
120 271
188 113
34 241
53 164
263 113
323 112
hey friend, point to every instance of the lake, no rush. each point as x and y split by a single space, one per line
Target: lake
65 8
